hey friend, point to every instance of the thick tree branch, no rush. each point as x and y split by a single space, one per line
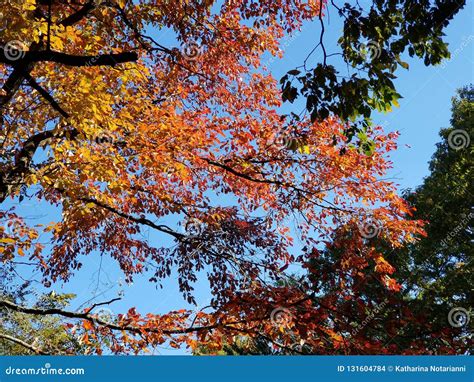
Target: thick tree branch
16 78
12 84
32 82
110 59
79 15
112 326
15 172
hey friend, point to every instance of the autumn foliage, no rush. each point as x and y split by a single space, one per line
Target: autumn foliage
121 131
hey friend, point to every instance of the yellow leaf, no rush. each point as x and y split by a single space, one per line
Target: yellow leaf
8 240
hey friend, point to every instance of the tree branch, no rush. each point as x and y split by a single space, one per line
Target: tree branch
144 221
35 85
17 170
103 303
16 78
110 59
109 325
23 343
276 182
79 15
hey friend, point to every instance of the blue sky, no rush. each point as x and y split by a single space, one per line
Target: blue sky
425 108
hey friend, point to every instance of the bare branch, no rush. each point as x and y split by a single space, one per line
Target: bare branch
144 221
103 303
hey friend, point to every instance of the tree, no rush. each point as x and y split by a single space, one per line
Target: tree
430 314
443 279
24 334
119 132
373 43
240 345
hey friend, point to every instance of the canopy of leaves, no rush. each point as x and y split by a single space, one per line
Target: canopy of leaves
26 334
375 37
435 273
120 132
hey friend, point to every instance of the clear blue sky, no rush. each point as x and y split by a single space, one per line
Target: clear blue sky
424 109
